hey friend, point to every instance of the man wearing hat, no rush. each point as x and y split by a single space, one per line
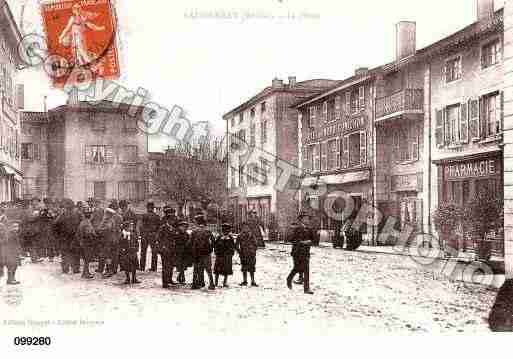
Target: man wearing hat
182 244
118 222
66 226
150 224
165 242
255 228
202 245
107 233
87 239
302 240
246 245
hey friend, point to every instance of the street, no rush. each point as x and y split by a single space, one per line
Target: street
354 292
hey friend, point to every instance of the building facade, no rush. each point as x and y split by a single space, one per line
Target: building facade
335 148
83 151
265 129
11 97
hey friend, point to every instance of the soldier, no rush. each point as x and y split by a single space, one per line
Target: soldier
255 228
182 245
303 239
87 239
165 242
202 240
129 246
224 249
150 224
107 234
66 226
246 245
10 250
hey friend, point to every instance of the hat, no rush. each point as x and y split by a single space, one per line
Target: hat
114 205
303 214
150 204
123 203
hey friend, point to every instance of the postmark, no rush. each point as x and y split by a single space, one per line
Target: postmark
81 34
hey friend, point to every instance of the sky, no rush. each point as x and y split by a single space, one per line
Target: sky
193 55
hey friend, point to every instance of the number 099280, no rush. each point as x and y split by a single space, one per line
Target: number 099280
43 341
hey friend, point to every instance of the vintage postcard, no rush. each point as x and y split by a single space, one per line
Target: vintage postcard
212 177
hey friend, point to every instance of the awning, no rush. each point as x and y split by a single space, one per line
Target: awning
341 178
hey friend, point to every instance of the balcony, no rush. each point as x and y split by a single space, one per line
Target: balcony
409 101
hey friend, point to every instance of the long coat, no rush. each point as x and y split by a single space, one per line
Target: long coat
10 248
224 248
128 248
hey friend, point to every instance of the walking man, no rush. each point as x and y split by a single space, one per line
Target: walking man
302 240
150 224
202 245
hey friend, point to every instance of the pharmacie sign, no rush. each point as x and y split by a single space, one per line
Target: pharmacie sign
472 169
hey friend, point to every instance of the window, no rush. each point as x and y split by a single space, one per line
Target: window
132 190
355 101
265 167
316 157
30 151
252 112
242 135
252 134
232 122
263 132
241 117
7 84
491 54
405 141
241 171
99 190
311 117
129 123
263 107
332 154
331 110
492 114
309 159
354 149
97 122
129 154
452 124
98 154
452 69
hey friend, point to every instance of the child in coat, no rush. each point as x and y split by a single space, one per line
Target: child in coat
224 249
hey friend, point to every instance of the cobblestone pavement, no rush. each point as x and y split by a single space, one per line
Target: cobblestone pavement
354 292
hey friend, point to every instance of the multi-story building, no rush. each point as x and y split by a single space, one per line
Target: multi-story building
10 99
267 124
83 151
335 143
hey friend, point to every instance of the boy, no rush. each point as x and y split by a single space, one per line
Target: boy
224 248
247 248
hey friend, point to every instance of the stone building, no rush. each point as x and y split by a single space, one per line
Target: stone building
11 98
335 144
267 125
83 151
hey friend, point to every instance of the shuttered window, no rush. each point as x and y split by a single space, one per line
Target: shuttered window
492 113
363 148
311 122
97 121
361 97
463 123
324 156
491 53
317 157
354 143
30 151
99 154
474 127
348 104
325 111
331 104
345 151
338 108
332 154
128 154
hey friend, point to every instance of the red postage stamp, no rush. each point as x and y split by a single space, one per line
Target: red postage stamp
81 33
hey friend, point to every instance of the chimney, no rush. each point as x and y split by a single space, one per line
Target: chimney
292 81
277 83
405 39
361 71
485 10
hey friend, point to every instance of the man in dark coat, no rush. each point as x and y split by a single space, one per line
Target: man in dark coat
87 239
165 242
224 249
246 245
183 255
255 227
10 250
118 222
45 221
30 233
302 240
202 246
66 226
150 225
107 234
129 246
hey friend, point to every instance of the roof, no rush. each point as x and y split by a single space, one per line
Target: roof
99 106
11 29
301 89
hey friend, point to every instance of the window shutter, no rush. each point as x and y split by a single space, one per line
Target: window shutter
109 154
348 103
439 128
482 118
447 131
35 148
338 103
324 156
345 151
306 159
318 158
312 116
460 67
338 160
414 134
363 148
473 113
87 154
501 123
463 123
444 72
325 111
361 97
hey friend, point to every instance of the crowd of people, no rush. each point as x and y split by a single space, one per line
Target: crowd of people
117 239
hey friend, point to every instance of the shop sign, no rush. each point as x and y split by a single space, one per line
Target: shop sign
472 169
348 125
